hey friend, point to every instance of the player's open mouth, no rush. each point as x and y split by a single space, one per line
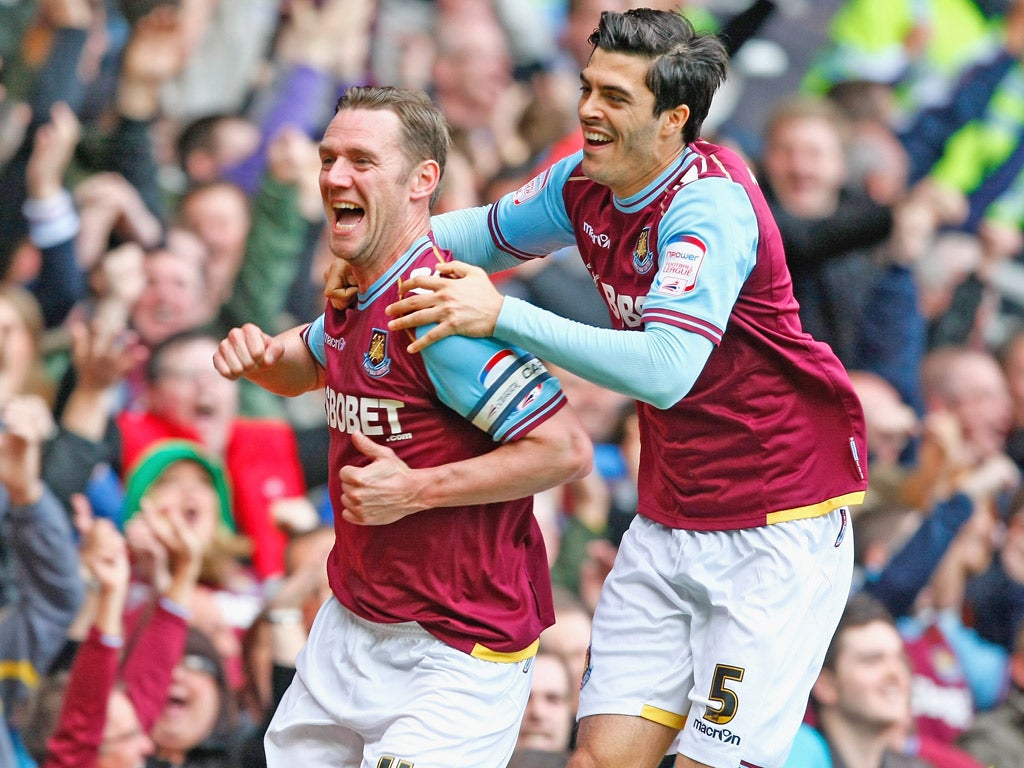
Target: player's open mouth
347 216
595 139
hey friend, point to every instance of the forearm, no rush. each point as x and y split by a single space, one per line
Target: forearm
87 412
551 454
671 359
909 570
149 667
43 544
79 732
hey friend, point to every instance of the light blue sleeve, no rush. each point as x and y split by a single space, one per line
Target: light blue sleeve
502 390
985 663
660 365
313 335
528 223
809 750
719 225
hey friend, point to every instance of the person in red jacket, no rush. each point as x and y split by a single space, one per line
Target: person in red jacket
187 399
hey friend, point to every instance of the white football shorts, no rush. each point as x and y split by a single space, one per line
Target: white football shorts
368 695
719 633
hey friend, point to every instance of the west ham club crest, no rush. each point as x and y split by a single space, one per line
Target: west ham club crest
643 256
376 360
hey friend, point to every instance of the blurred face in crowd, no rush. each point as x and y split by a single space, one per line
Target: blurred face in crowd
188 391
980 399
547 723
1013 367
582 19
125 744
193 706
890 422
172 298
473 67
219 215
599 408
869 686
569 637
17 349
188 486
805 165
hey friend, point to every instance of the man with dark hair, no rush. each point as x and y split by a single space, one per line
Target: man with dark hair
725 590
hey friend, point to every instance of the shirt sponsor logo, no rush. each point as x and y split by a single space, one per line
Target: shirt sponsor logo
598 238
643 256
334 342
680 266
530 189
373 416
376 360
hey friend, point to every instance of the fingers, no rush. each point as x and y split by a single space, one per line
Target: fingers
367 447
81 514
245 350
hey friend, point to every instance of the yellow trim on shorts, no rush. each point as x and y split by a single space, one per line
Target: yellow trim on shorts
21 670
815 510
485 653
663 717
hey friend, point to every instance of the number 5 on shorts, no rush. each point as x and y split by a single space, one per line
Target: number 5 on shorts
726 698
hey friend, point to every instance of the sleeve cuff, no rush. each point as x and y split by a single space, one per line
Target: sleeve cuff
51 221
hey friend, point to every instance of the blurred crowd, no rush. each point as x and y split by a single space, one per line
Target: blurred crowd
163 530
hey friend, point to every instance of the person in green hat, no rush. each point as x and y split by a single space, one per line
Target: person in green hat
182 473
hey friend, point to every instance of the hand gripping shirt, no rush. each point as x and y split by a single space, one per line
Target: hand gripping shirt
476 577
771 429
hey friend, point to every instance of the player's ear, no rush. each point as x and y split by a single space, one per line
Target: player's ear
423 179
674 119
824 691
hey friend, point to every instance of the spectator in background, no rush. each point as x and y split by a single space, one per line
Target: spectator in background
861 698
827 227
996 738
182 473
118 682
49 589
550 712
186 399
198 727
1011 358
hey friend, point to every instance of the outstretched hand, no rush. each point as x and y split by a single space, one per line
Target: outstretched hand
460 298
381 492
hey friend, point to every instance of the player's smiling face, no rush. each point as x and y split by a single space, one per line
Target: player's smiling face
625 146
364 180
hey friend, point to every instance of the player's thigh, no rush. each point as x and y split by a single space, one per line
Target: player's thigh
777 593
640 660
620 741
454 710
303 733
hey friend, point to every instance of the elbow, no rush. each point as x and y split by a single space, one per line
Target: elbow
667 396
577 455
